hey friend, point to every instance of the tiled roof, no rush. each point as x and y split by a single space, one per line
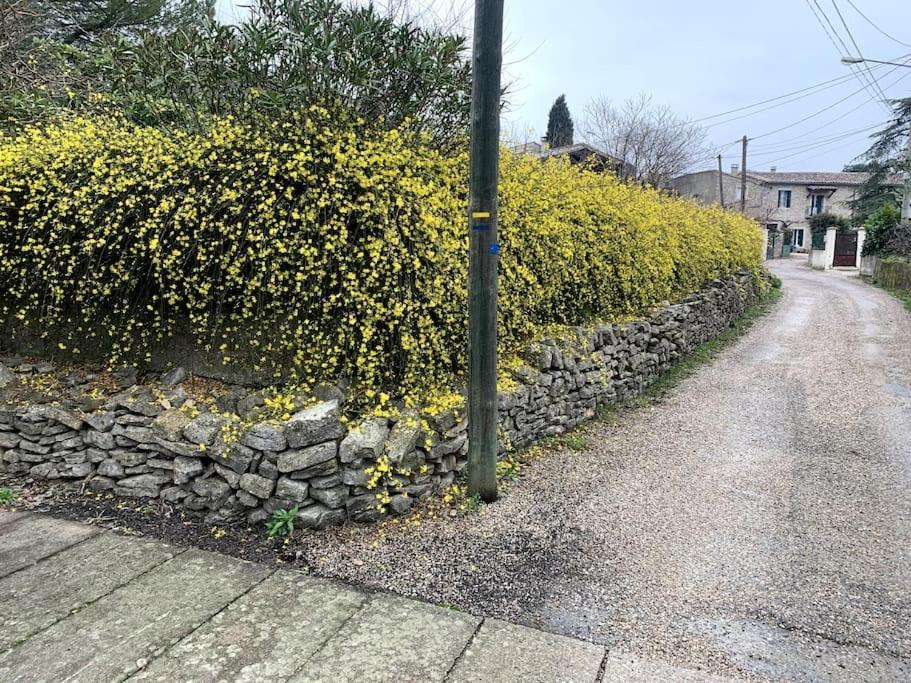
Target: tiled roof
573 149
816 178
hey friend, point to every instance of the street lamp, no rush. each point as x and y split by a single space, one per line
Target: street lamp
860 60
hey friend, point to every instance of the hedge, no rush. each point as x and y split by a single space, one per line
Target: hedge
313 251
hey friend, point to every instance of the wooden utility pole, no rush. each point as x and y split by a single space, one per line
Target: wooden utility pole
743 177
487 62
720 183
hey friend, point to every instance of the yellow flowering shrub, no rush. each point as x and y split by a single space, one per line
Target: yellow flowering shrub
310 250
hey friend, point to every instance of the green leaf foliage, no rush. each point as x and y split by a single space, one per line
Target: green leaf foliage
559 124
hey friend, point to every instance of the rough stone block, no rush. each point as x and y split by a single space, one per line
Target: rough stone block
204 429
403 440
238 457
213 488
291 461
315 425
261 487
292 489
319 517
334 497
110 468
363 508
170 425
265 437
366 440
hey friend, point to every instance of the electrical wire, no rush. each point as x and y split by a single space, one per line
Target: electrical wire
809 146
721 148
828 107
873 24
848 77
776 148
820 15
857 47
831 83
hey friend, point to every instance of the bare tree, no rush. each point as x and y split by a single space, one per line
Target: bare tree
655 143
448 16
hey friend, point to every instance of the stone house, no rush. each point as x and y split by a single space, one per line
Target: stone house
578 153
780 201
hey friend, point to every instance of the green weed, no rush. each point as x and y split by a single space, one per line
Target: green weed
575 441
281 523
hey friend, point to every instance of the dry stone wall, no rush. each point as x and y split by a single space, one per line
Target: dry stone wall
144 442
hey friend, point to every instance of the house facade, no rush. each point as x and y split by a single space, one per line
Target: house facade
579 153
779 201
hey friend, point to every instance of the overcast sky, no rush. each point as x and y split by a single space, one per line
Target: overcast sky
705 57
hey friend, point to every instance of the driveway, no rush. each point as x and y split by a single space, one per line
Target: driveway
754 524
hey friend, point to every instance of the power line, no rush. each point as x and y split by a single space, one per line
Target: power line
871 22
810 145
808 91
831 83
822 144
797 137
819 14
827 108
857 47
832 36
801 153
776 148
802 93
847 77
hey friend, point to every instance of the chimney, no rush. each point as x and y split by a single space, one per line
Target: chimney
772 169
735 169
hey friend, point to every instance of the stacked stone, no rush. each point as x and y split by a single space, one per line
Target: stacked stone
145 445
44 441
566 380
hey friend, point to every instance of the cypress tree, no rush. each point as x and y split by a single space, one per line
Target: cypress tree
559 124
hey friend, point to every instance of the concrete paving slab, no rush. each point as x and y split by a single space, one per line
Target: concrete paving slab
393 639
506 652
7 518
117 635
30 538
38 596
266 635
624 667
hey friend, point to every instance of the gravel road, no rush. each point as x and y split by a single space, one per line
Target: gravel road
756 523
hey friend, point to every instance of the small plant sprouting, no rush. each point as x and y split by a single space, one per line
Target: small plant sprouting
473 503
575 442
7 495
281 523
508 468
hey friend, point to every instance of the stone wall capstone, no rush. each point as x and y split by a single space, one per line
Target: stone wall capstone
144 443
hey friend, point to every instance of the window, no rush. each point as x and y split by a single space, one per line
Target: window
797 237
784 199
817 204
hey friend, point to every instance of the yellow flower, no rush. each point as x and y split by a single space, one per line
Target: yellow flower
309 249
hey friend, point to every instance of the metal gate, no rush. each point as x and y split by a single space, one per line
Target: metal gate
770 248
845 249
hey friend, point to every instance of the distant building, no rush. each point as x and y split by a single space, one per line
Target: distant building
579 153
779 200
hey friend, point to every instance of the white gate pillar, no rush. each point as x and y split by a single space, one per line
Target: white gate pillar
861 237
830 247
